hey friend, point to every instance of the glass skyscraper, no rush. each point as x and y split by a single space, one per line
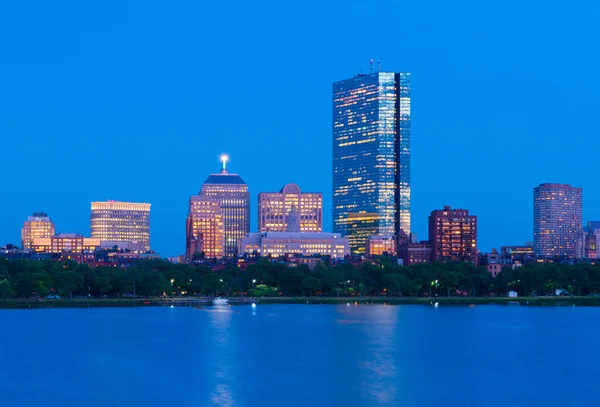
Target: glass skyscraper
557 220
371 156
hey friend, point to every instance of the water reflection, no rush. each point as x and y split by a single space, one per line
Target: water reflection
376 360
223 363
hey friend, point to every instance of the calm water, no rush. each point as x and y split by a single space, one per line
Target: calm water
300 355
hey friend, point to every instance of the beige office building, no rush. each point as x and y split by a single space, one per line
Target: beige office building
39 225
121 222
274 208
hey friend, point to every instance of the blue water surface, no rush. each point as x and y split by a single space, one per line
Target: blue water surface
300 355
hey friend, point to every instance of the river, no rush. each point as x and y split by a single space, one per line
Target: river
300 355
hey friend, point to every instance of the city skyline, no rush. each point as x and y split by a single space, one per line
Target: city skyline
82 90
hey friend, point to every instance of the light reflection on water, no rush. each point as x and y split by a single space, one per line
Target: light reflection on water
223 374
376 362
300 355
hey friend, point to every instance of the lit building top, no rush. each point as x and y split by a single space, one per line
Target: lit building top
121 206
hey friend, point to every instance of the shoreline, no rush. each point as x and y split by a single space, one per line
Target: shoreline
236 301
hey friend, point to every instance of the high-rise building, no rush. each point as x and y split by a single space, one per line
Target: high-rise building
231 193
39 225
121 222
557 220
453 235
371 156
274 208
205 232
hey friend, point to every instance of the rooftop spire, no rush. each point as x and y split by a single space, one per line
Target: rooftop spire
224 159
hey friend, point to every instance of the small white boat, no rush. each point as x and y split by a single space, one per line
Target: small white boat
220 301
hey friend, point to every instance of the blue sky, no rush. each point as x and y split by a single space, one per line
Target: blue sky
135 100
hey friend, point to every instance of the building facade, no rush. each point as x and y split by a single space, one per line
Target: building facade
222 208
295 242
121 222
378 245
371 156
412 252
453 235
205 233
39 225
65 242
274 207
557 220
231 192
592 238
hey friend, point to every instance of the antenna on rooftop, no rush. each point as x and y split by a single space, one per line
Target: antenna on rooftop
371 65
378 65
224 159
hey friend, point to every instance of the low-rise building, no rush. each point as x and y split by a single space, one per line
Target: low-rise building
277 244
494 268
410 252
65 242
378 245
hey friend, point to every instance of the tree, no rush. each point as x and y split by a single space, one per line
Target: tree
396 283
310 285
69 282
262 290
5 282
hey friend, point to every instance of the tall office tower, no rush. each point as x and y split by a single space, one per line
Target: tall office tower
231 192
453 235
557 220
204 228
38 225
275 207
121 222
371 156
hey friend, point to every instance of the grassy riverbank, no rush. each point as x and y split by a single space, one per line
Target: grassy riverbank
186 301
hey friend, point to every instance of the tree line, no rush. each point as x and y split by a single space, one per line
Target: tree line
26 279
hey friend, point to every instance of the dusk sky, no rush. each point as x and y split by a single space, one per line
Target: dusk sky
136 100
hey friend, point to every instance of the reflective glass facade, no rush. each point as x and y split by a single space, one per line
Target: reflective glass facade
557 220
371 156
